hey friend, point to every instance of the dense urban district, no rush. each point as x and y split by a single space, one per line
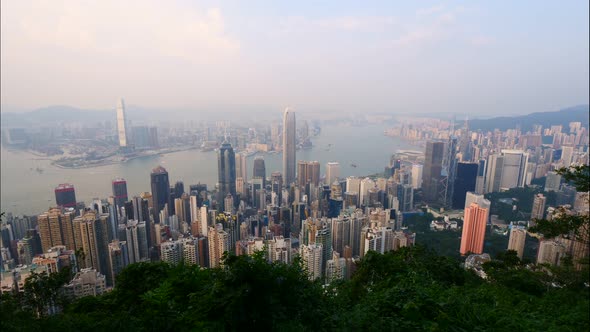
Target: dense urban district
480 230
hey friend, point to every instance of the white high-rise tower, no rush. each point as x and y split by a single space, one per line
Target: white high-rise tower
121 123
289 142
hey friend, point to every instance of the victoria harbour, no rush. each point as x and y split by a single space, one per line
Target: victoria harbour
27 191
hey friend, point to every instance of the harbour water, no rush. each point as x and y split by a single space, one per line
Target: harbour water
27 190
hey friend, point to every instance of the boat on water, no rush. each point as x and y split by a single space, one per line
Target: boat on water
353 165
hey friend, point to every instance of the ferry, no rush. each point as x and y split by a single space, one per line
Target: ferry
353 165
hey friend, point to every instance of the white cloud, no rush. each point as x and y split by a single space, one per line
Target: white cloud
131 27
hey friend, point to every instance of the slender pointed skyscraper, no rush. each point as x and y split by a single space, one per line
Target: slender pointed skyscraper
289 141
121 123
226 169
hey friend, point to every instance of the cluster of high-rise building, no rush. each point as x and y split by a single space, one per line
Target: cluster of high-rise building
329 221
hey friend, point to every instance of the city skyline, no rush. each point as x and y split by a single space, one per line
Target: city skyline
373 58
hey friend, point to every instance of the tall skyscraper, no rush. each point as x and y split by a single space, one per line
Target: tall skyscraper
241 166
464 182
417 174
481 176
332 172
160 190
433 158
308 172
121 124
226 169
474 229
259 170
65 195
119 191
517 239
289 145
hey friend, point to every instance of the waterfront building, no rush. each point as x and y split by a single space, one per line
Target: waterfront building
65 195
160 190
122 124
226 169
259 170
119 191
332 172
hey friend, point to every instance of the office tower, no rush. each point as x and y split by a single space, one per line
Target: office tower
538 209
141 137
494 173
312 260
160 190
365 185
313 172
417 172
471 197
474 229
332 172
56 228
289 145
513 169
308 172
218 244
119 191
91 230
226 169
516 240
259 170
241 166
552 181
121 124
433 158
405 196
118 259
65 195
481 177
276 183
464 182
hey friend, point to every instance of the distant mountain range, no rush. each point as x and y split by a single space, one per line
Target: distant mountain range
525 122
56 115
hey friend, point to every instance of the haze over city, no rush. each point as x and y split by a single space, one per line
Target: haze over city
475 58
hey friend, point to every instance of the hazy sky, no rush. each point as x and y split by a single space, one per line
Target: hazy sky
401 56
